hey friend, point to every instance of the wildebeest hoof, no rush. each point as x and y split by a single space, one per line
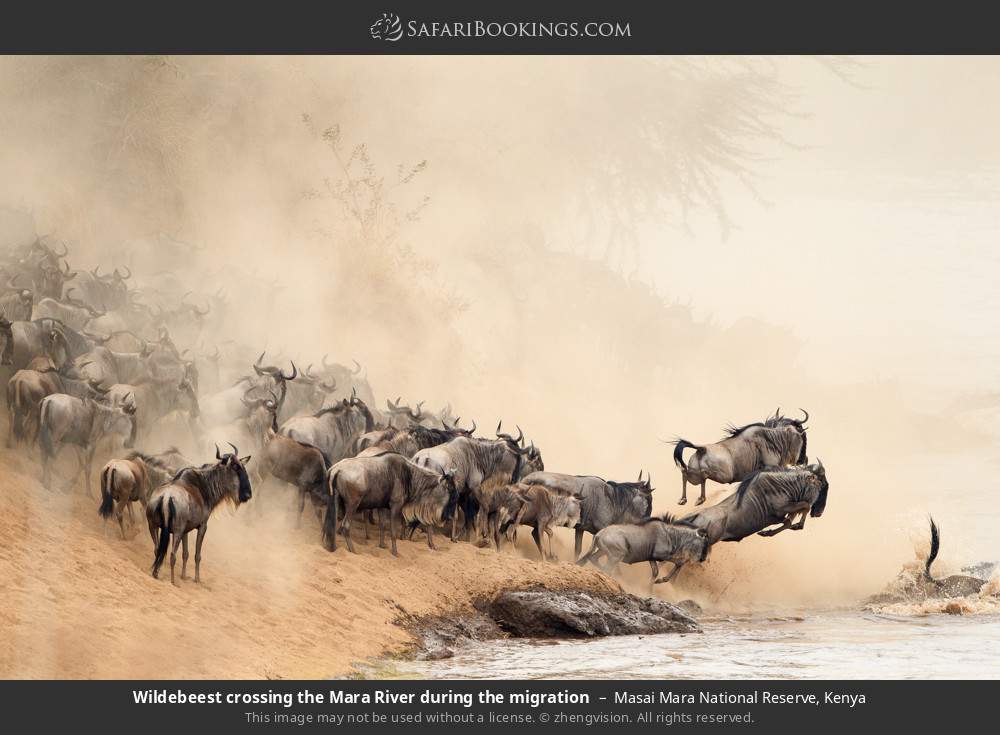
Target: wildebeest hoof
682 501
699 501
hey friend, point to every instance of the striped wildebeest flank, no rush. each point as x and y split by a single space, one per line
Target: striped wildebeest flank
132 478
81 423
603 502
26 389
391 483
745 450
71 311
333 430
655 540
766 498
186 503
544 509
300 465
475 461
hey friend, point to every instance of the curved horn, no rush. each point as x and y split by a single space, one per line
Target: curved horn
326 366
295 372
358 365
806 413
520 436
218 454
63 254
640 476
499 423
473 429
125 267
236 451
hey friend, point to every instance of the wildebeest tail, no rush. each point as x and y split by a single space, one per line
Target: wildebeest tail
166 518
582 561
107 497
44 437
679 446
935 547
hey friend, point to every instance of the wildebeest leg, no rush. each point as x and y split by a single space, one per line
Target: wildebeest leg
369 519
801 524
577 543
178 537
302 507
662 580
776 531
202 530
393 511
655 567
184 558
348 515
701 499
131 516
412 528
429 530
381 529
494 523
684 490
537 536
120 515
87 471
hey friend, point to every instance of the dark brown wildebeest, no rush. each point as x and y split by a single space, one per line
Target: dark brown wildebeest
474 461
602 502
766 498
654 540
388 482
81 422
186 503
499 504
544 509
747 449
132 478
284 458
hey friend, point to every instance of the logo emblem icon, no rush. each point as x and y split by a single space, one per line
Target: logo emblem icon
387 28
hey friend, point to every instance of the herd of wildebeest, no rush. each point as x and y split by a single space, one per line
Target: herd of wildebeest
95 365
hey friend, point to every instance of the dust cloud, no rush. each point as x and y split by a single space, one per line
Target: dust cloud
608 252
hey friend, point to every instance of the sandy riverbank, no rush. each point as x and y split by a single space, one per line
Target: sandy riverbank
79 602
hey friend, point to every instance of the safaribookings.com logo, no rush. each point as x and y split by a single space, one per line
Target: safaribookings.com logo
390 28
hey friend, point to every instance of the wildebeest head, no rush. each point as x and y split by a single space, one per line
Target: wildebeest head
6 342
777 420
237 482
51 278
457 430
273 372
819 473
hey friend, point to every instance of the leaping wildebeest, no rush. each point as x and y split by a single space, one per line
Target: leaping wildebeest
747 449
81 422
186 503
766 498
391 483
654 540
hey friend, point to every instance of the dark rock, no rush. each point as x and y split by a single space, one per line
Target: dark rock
547 614
439 637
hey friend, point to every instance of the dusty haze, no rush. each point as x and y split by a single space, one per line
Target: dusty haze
607 251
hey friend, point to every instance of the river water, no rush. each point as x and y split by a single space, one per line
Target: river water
835 644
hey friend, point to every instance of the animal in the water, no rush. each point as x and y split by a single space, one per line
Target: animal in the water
746 450
956 585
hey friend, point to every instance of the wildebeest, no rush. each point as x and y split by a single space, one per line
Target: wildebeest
154 398
747 449
26 389
307 393
408 441
654 540
132 478
286 459
81 422
602 502
766 498
227 405
332 430
16 303
388 482
39 338
955 585
544 509
186 503
70 311
499 504
474 461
